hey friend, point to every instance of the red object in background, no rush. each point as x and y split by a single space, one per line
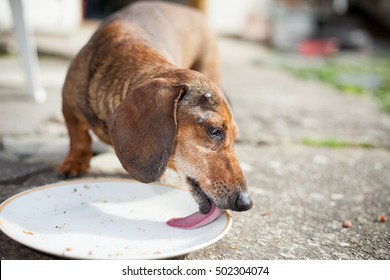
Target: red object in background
323 47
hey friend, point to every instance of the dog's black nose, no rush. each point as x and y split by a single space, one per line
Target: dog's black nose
243 202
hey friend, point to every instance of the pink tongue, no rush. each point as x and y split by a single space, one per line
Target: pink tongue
197 219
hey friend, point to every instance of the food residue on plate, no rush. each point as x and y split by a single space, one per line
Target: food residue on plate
28 232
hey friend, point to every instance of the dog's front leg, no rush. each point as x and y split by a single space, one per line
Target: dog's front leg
76 163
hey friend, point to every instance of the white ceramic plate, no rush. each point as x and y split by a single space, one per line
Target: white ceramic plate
106 219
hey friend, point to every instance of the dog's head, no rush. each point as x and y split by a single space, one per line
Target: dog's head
183 119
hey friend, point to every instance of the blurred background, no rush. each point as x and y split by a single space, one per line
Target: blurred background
308 28
284 24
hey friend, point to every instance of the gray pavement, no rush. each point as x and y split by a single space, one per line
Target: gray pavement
302 194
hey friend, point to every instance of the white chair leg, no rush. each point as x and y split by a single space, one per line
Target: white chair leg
28 53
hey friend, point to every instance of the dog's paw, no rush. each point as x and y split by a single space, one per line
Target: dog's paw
72 169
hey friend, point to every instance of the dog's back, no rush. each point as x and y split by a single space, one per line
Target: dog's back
179 33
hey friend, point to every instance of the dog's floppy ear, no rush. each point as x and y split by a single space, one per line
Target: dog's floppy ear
143 129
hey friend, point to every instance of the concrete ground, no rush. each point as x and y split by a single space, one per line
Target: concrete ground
302 194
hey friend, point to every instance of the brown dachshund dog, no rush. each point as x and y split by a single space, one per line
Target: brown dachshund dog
132 86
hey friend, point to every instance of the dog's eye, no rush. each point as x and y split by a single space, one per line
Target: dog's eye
215 133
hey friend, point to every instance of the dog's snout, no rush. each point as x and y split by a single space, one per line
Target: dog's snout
243 202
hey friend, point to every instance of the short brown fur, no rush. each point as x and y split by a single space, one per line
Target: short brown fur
132 86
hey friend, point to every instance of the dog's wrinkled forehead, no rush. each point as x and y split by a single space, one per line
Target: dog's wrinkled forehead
202 95
207 96
206 99
207 108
